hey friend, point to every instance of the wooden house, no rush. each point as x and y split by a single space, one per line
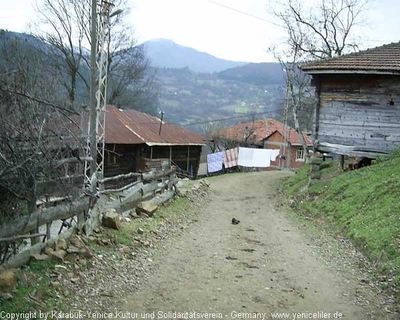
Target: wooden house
132 136
269 134
358 109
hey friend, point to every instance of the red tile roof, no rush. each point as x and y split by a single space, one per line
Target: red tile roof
381 59
262 129
134 127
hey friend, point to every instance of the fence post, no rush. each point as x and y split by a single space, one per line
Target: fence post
81 219
48 231
34 240
172 179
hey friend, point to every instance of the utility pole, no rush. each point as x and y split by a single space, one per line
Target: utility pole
161 122
99 37
93 101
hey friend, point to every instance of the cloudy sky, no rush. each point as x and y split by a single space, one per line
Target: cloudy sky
240 30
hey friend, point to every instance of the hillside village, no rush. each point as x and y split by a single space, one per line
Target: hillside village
199 188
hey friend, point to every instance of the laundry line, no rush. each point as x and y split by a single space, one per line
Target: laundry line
240 156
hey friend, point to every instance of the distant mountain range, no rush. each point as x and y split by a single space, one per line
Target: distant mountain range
195 87
165 53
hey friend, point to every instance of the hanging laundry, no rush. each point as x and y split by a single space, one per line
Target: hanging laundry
274 154
231 158
245 158
215 161
259 158
271 154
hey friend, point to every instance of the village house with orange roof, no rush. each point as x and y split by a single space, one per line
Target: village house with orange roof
270 134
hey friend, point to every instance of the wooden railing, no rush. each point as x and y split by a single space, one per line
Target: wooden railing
82 213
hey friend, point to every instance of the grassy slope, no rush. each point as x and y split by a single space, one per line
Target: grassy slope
363 205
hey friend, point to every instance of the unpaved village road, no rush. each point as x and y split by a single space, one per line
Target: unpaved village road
266 264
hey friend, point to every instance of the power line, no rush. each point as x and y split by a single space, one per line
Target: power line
231 118
243 12
216 120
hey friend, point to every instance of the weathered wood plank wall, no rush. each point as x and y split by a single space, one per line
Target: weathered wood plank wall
185 157
354 110
119 159
126 158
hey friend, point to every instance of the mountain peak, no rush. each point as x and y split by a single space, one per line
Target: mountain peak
165 53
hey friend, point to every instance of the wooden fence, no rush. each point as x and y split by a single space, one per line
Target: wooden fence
83 213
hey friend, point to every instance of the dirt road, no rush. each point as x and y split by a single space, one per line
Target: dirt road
266 264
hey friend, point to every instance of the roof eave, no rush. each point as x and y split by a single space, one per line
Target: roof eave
153 144
299 144
123 142
348 71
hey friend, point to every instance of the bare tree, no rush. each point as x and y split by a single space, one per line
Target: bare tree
65 42
322 31
65 26
240 134
36 131
213 133
128 67
299 98
131 81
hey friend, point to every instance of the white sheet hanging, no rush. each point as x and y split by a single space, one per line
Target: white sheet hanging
245 158
259 158
274 154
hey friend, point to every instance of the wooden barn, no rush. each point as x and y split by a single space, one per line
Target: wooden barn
132 136
358 109
270 134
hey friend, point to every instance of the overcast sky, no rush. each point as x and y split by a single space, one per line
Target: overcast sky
240 30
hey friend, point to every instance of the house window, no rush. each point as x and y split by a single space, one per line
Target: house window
300 155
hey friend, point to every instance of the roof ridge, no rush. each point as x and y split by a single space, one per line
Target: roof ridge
385 58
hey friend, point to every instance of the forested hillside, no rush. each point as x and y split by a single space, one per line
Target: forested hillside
241 93
255 73
130 84
188 97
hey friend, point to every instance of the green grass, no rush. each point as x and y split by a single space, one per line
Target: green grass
35 279
363 205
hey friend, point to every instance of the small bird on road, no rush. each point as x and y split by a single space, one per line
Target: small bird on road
235 221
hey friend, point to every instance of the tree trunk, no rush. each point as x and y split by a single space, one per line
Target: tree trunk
297 127
295 116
